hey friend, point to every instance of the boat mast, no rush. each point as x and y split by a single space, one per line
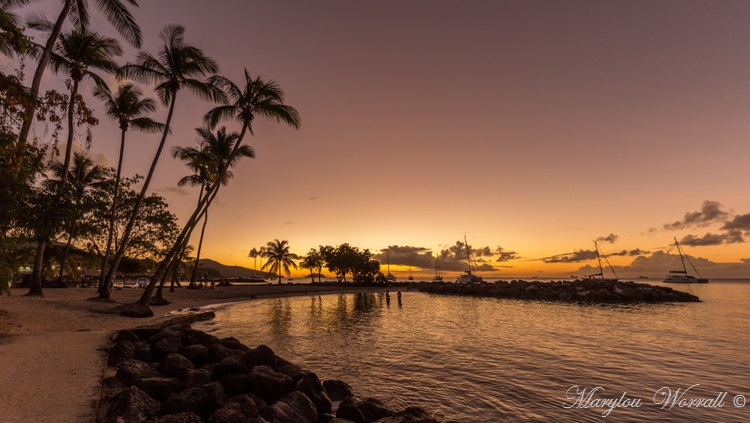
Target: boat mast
608 263
682 258
468 255
599 259
388 259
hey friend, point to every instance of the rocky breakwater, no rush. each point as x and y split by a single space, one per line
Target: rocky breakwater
579 291
176 374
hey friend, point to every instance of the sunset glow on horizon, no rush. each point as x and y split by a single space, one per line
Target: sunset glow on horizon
532 128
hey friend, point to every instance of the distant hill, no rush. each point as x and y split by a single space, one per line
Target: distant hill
229 271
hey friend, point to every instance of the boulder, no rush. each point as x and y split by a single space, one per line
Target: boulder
259 356
132 370
363 410
310 385
142 351
131 405
179 418
146 332
193 337
164 343
120 353
196 353
126 335
112 386
228 366
197 377
234 344
292 408
202 400
159 387
269 384
288 368
218 352
175 365
410 415
337 390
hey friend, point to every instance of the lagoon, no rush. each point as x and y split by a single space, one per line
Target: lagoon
481 359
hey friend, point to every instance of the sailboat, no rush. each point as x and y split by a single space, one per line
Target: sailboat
599 277
438 277
468 276
681 276
389 277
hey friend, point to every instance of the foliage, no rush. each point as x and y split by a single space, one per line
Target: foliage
279 258
313 260
346 259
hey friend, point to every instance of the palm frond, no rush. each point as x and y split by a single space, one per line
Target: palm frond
119 16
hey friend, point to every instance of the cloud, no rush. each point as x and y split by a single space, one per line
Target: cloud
731 237
313 198
175 190
741 222
711 212
452 258
504 255
611 238
574 257
635 252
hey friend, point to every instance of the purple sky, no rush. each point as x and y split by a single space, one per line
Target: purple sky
536 126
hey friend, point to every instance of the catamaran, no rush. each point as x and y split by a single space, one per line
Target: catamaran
681 276
468 276
600 276
438 276
389 277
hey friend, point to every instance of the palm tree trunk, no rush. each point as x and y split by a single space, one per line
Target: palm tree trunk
64 260
37 81
194 274
105 291
134 214
69 143
35 288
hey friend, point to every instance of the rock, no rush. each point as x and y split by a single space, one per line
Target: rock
362 410
146 332
112 386
164 343
121 352
159 387
197 377
292 408
288 368
179 418
268 384
229 413
175 365
236 384
337 390
234 344
196 353
218 352
193 337
126 335
259 356
409 415
310 385
228 366
142 351
131 405
132 370
250 404
202 400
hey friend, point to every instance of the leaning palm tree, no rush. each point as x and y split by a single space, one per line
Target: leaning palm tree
176 66
257 98
215 151
79 53
128 107
78 11
84 175
279 258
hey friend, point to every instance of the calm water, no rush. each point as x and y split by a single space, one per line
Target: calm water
486 360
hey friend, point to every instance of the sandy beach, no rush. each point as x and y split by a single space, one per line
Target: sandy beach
51 347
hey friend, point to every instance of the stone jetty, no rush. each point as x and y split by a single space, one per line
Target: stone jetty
579 291
176 374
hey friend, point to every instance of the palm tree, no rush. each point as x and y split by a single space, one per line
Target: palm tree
78 53
113 10
257 98
176 66
215 151
279 258
129 108
83 176
253 254
313 260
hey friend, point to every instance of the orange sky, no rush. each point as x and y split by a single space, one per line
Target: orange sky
535 126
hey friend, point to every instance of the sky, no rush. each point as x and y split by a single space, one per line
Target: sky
531 128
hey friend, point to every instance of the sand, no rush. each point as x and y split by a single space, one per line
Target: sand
51 348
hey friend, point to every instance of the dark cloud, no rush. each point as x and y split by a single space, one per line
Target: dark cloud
574 257
175 190
731 237
313 198
741 222
611 238
711 212
503 255
635 252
